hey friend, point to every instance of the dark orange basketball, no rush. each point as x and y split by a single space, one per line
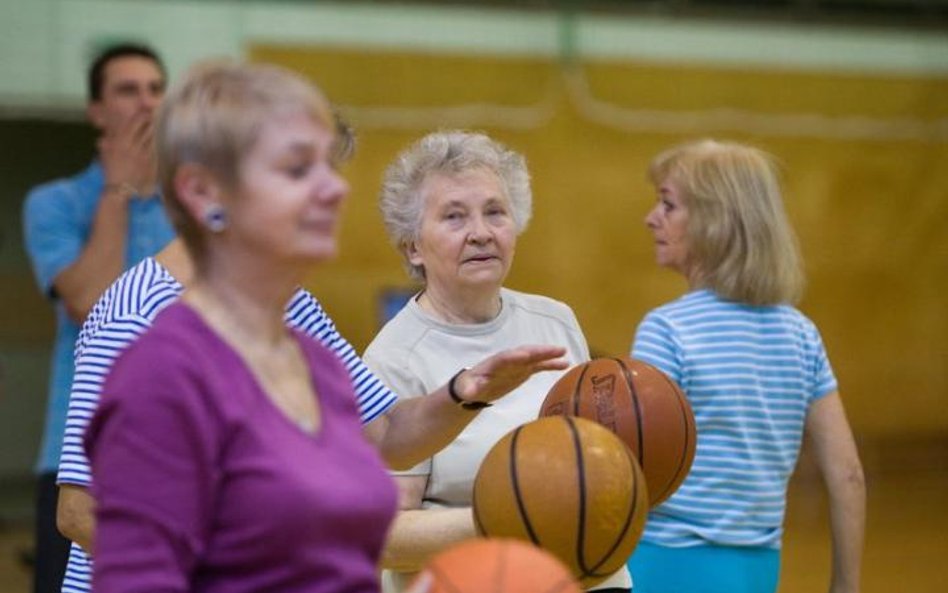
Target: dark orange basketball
498 566
569 486
639 403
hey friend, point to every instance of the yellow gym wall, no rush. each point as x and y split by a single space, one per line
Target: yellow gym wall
865 162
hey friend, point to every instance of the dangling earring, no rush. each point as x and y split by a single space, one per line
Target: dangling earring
215 218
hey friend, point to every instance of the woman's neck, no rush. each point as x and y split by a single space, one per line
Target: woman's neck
243 299
696 280
176 259
463 307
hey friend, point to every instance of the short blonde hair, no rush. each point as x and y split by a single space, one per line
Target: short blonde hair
449 152
214 117
739 237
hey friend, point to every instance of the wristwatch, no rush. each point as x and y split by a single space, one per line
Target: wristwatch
464 403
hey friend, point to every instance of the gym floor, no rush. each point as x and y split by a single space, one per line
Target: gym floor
906 546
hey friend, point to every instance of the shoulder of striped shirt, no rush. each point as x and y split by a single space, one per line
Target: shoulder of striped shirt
137 297
307 315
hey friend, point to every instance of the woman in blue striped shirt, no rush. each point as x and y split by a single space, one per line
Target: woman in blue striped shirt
756 373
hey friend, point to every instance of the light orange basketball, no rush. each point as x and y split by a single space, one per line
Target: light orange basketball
569 486
640 404
498 566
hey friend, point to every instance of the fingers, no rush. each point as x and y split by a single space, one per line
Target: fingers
127 151
532 353
136 130
551 365
132 131
143 129
505 371
528 359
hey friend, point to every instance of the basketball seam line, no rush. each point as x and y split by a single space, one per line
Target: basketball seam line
628 518
581 478
633 393
576 391
516 486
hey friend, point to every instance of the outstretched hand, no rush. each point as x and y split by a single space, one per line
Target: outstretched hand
501 373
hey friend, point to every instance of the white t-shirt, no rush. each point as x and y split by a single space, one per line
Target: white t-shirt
416 353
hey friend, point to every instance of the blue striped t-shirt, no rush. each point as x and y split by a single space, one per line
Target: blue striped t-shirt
123 313
750 374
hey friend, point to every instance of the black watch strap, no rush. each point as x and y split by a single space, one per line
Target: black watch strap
464 404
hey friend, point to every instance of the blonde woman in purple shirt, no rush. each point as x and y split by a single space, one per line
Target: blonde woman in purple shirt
227 450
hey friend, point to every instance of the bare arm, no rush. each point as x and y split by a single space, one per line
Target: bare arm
128 163
80 285
417 428
834 449
75 515
419 534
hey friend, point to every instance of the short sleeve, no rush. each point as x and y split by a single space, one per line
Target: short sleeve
373 395
94 361
53 236
655 343
823 379
153 446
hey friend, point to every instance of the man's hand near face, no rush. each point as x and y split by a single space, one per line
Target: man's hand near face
127 154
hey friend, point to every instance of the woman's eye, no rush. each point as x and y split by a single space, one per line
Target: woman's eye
298 171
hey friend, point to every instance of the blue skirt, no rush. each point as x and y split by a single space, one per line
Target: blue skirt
704 569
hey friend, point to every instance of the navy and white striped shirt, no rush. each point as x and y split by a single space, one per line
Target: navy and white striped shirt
750 374
123 313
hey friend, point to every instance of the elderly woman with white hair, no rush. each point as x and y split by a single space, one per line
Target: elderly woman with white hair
453 204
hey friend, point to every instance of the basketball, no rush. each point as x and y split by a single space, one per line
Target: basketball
498 566
569 486
642 406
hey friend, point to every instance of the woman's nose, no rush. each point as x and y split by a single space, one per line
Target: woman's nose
651 219
332 187
479 232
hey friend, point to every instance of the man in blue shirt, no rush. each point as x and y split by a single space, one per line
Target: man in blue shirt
81 232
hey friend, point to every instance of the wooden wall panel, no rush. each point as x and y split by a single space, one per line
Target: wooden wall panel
867 188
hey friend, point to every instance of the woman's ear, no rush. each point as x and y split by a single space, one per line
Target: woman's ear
412 253
197 189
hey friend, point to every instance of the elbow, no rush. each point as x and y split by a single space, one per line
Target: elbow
856 477
67 524
396 453
74 515
850 482
76 311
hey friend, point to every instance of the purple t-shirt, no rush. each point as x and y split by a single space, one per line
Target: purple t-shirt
203 484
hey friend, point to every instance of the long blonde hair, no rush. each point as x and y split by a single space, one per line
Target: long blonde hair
740 242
